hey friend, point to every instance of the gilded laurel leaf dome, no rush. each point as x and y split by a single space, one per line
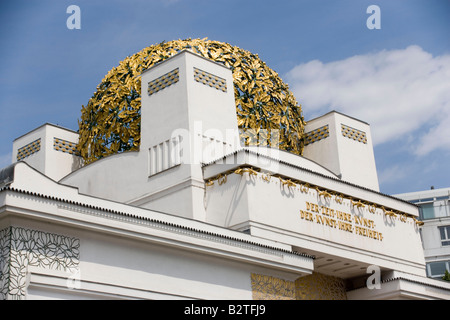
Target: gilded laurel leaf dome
110 122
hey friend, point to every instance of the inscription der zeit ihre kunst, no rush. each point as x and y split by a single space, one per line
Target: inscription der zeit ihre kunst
340 220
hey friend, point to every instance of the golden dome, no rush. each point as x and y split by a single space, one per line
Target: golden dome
110 122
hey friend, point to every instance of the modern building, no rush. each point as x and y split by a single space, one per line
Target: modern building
434 211
193 214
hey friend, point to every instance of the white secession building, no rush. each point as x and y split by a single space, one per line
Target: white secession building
193 215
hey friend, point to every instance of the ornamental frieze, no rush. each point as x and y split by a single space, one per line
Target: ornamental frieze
21 248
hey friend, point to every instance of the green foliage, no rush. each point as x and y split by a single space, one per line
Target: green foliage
446 276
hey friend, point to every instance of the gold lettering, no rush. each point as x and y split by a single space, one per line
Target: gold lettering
368 233
343 216
326 221
341 220
328 212
345 226
364 222
319 219
312 207
306 215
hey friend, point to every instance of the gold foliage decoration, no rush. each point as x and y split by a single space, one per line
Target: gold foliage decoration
311 287
321 192
318 286
271 288
110 122
358 204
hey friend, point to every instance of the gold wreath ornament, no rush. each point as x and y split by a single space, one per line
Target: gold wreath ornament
110 122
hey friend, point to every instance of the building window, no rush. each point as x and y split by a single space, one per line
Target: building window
437 209
437 269
442 208
445 235
427 211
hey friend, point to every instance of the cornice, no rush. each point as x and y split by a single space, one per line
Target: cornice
318 174
161 224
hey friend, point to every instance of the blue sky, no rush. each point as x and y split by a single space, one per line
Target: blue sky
396 78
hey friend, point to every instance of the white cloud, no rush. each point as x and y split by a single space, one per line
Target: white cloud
394 173
437 137
398 92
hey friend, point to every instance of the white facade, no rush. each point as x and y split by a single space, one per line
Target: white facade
435 233
193 215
